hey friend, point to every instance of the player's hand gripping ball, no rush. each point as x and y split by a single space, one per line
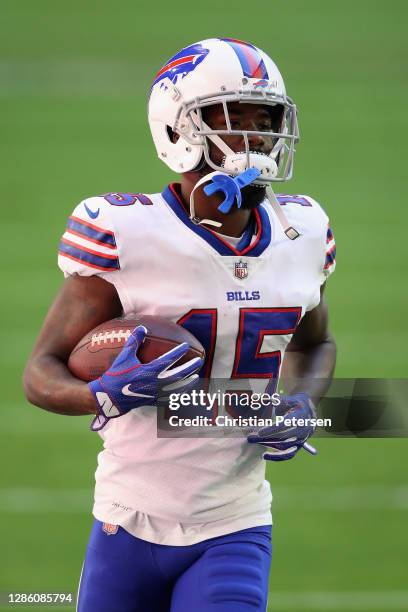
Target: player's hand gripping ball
130 384
285 440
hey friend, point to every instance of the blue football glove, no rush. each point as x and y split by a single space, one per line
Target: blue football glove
129 384
284 441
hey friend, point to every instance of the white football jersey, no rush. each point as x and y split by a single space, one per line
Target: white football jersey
242 301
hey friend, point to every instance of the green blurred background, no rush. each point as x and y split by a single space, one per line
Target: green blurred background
73 83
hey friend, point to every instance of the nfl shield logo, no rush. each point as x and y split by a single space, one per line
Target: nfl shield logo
109 529
241 270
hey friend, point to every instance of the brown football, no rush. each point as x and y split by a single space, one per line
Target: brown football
94 354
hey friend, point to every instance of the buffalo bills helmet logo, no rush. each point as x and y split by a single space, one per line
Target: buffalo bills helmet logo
181 64
261 83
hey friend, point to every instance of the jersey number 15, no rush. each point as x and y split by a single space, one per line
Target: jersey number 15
255 324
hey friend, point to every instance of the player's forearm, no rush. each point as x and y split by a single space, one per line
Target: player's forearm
49 384
310 369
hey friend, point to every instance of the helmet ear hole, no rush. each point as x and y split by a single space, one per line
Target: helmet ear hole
173 136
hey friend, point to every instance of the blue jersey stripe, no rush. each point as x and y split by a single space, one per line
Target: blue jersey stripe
330 257
88 230
95 261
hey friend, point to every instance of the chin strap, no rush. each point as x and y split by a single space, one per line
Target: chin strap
193 216
290 231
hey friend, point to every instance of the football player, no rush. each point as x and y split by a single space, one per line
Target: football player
185 524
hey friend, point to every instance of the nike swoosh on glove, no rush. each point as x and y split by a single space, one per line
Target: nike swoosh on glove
285 440
130 384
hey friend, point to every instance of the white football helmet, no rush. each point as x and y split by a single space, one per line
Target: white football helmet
219 71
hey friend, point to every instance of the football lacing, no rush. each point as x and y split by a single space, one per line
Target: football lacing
110 336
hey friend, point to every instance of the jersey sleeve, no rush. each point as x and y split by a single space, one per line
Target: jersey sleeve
319 225
88 246
330 261
308 216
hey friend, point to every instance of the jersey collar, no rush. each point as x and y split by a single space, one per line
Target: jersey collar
261 220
